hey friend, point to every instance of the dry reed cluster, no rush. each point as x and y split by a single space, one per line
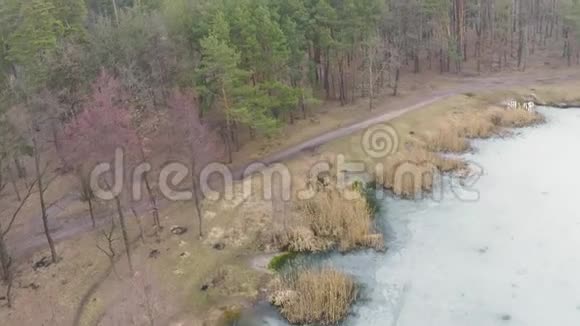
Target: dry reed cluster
453 133
326 222
447 138
329 220
413 171
514 118
492 121
319 296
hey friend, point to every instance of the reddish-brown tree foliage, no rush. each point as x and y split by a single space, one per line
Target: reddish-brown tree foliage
104 125
189 135
191 139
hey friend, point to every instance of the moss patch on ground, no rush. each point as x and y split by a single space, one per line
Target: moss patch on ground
280 261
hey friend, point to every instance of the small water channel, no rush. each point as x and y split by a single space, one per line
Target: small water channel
511 257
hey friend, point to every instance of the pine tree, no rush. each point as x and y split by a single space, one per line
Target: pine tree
320 34
293 21
221 78
72 14
35 36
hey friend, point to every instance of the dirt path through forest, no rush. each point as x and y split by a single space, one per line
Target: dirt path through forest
27 244
386 113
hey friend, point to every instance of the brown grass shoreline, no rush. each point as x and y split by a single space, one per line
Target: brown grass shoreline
411 171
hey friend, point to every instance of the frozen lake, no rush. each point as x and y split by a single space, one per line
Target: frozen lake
512 257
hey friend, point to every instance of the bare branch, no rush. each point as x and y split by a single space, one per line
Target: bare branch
29 192
110 251
49 182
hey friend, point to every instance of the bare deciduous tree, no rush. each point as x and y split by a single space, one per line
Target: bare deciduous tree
190 136
109 250
5 258
41 195
99 130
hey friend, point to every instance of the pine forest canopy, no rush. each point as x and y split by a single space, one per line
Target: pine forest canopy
258 64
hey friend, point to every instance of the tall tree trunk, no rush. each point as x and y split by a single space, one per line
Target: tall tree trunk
371 55
4 257
480 26
92 212
5 264
441 61
153 203
228 131
303 105
353 69
9 283
20 170
342 86
57 145
115 11
458 27
87 194
124 232
397 76
327 74
522 34
416 62
39 182
228 143
553 18
196 196
14 185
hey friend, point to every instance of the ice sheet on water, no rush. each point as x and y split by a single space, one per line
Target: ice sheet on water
509 258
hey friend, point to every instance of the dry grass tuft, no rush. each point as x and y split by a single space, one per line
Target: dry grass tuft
447 139
303 239
331 220
314 296
411 172
514 118
478 125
